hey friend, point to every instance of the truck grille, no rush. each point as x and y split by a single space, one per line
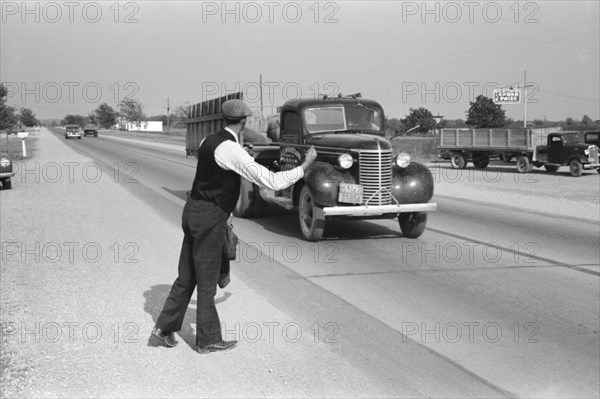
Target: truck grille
375 172
593 154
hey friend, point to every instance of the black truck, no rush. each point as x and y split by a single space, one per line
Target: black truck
567 149
355 176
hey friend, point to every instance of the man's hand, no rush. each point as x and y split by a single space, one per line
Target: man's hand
310 157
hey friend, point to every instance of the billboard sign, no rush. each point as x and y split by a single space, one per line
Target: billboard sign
507 96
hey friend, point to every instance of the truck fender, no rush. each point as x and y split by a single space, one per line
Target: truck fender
581 158
323 181
413 184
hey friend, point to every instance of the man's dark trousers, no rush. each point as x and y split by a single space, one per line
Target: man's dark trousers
205 228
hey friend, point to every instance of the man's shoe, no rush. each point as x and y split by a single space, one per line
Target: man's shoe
223 281
218 346
167 337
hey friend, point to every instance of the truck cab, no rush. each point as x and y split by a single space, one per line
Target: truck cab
592 137
567 149
355 174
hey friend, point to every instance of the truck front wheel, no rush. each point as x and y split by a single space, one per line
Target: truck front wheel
6 184
412 224
576 168
311 216
523 164
458 161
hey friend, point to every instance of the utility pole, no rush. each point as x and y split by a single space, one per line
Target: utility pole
168 115
261 95
525 86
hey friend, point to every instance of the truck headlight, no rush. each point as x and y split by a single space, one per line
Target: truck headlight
586 151
4 162
345 161
403 160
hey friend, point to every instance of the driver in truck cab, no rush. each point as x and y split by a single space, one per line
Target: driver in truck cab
222 162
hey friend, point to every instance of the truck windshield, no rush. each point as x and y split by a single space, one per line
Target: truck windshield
355 118
324 119
572 138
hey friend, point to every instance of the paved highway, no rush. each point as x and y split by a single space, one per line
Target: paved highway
492 297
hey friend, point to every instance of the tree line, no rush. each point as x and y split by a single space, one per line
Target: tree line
10 119
129 110
482 113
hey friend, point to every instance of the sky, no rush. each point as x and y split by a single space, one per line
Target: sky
68 57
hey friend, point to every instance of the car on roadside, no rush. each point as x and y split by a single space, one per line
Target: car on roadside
90 130
72 131
6 171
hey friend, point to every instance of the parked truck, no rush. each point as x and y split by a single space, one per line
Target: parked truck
355 175
531 147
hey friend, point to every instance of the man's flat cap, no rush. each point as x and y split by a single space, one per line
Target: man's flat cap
235 109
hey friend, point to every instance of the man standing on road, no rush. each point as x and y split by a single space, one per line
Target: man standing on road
215 192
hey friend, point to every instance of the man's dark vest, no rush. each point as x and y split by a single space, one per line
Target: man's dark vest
213 183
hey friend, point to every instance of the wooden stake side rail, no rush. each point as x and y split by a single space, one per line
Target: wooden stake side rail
519 139
203 119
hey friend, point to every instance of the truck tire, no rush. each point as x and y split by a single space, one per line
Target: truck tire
551 168
310 215
575 167
6 184
523 164
412 224
246 205
481 162
458 161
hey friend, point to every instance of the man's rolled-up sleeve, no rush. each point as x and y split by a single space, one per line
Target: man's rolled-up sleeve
231 156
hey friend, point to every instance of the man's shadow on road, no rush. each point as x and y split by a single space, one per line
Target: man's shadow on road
155 299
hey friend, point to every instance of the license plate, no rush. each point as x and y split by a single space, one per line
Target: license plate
351 193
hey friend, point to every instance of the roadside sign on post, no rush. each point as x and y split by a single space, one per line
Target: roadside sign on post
23 136
507 96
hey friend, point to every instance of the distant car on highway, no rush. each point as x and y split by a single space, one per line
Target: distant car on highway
6 171
72 131
90 130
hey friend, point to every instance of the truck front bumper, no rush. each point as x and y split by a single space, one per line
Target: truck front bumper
376 210
4 175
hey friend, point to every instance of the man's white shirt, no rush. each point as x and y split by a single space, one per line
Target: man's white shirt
229 155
